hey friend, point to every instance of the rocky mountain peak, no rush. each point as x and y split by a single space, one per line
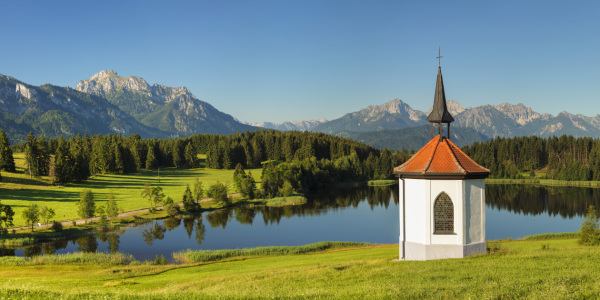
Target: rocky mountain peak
104 74
453 107
25 92
518 112
393 107
108 80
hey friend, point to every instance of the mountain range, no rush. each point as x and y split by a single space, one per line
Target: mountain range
108 103
173 110
503 120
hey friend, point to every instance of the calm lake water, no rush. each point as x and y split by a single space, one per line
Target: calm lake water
363 214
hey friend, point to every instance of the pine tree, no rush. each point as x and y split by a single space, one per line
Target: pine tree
190 155
188 199
178 154
119 165
87 205
112 211
198 190
151 160
43 157
31 155
7 162
62 166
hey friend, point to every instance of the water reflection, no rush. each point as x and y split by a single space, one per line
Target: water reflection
156 233
567 202
365 214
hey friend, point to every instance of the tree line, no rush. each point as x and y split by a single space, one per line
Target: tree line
564 157
77 158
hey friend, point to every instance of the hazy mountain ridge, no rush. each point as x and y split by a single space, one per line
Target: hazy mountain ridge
394 114
172 109
290 125
503 120
412 138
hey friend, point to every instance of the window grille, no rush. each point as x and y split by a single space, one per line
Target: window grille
443 211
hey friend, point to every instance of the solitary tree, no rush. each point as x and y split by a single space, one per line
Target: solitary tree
589 233
157 195
188 200
198 190
112 211
170 207
218 192
87 205
46 213
31 215
147 192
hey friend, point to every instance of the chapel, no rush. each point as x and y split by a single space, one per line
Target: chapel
442 195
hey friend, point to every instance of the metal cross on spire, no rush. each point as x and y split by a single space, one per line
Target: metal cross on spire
439 57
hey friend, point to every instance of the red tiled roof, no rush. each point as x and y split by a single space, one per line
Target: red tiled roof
441 157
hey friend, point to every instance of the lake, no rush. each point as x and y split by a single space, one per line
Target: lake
361 214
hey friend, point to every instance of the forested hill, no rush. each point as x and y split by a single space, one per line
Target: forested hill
307 160
564 158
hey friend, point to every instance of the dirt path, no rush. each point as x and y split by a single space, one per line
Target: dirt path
123 214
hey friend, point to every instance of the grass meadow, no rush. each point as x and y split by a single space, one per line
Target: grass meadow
19 191
514 269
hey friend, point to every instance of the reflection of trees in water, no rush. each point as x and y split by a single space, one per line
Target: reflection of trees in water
319 203
7 252
87 243
189 222
113 238
50 247
244 215
32 250
219 217
155 232
566 202
200 230
172 223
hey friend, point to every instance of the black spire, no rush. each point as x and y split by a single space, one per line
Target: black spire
439 113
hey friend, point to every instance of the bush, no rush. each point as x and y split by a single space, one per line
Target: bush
218 192
57 226
286 190
589 234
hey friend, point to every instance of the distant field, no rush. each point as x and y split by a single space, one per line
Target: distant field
552 269
18 191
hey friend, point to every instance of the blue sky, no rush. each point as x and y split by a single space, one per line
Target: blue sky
300 60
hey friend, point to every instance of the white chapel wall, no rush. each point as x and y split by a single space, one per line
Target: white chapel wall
475 211
415 192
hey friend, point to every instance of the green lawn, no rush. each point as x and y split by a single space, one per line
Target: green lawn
18 191
517 269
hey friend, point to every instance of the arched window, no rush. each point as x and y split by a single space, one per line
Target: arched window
443 214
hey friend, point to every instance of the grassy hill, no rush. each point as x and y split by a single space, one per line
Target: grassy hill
514 269
19 191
